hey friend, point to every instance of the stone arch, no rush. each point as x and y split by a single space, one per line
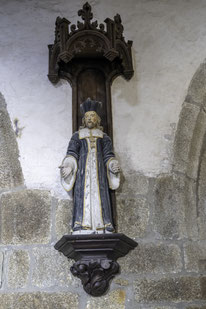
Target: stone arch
190 154
10 169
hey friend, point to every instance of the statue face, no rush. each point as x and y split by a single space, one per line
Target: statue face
91 119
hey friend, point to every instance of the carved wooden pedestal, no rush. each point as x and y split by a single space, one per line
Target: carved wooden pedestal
95 256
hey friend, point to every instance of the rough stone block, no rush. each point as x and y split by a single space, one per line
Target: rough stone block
186 189
195 256
25 217
152 258
133 216
133 184
39 300
175 207
113 300
10 169
170 289
51 269
196 145
184 135
201 206
5 301
196 91
18 269
64 218
1 266
167 220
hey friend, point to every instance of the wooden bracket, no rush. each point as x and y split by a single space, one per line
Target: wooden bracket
96 258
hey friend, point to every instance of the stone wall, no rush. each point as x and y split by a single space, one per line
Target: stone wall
164 212
168 45
165 215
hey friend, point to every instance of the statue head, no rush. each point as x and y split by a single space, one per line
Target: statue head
91 120
89 109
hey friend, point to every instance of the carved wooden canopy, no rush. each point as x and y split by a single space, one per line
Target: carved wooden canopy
89 57
87 39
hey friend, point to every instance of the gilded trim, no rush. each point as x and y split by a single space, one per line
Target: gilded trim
108 224
77 222
86 227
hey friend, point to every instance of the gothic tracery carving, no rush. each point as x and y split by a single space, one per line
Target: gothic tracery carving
87 39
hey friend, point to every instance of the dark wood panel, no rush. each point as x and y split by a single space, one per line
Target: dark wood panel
91 84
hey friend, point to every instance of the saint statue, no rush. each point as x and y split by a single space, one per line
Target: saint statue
90 169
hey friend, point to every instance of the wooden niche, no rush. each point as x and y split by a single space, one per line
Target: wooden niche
90 57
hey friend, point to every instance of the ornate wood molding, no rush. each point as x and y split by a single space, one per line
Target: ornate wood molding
87 39
95 257
89 56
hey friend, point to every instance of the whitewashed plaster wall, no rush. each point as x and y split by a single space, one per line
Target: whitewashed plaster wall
169 44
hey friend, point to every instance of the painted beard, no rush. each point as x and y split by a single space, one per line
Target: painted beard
90 124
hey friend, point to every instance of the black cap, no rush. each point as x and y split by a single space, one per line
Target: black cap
90 106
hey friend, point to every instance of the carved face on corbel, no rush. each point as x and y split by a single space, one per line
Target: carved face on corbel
91 120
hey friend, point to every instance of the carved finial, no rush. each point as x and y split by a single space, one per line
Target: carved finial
118 26
86 14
